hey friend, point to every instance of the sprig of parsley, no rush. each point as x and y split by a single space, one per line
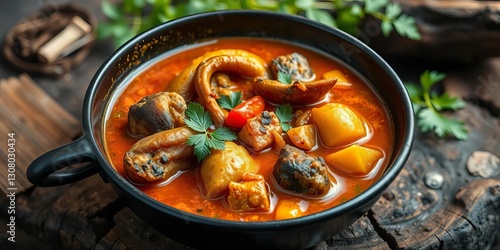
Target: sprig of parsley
127 18
231 101
200 121
284 112
428 105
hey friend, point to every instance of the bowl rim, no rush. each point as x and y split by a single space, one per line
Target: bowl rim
374 191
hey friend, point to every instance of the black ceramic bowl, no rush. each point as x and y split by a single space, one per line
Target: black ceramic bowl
56 167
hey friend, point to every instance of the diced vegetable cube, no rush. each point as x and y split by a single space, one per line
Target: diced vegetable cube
303 137
354 159
287 209
338 124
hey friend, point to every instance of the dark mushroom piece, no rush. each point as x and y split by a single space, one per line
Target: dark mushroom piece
302 89
295 65
159 156
298 172
155 113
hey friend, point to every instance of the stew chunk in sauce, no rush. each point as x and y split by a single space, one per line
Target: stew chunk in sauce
249 129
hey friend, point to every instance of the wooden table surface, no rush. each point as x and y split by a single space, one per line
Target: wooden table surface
463 212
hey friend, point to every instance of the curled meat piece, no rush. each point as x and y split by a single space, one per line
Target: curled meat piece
221 167
249 195
295 65
155 113
296 171
258 132
296 93
183 83
159 156
246 66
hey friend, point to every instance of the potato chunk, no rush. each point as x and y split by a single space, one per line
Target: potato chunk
249 195
354 159
221 167
303 137
338 124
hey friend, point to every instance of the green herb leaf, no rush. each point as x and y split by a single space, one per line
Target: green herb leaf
224 134
372 6
446 101
231 101
201 149
432 120
199 120
139 15
284 77
321 16
285 113
427 107
429 78
405 26
110 11
393 10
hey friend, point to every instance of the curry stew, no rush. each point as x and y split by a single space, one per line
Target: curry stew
301 132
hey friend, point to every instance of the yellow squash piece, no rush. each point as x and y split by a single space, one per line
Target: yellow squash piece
342 81
303 137
354 159
287 209
338 124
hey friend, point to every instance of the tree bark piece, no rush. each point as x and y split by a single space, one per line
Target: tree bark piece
451 30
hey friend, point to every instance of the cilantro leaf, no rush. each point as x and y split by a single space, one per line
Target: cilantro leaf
284 77
201 148
427 107
405 26
446 101
224 134
429 78
285 113
372 6
393 10
199 120
432 120
231 101
321 16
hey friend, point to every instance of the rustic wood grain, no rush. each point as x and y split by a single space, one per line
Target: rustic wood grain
465 31
39 124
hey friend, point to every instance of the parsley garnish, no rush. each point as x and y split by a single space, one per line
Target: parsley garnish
285 114
128 18
199 120
231 101
428 105
284 77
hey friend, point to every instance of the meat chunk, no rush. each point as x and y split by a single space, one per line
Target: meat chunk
295 65
257 133
159 156
249 195
296 171
155 113
221 167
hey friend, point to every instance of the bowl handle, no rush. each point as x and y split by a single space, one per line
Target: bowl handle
43 171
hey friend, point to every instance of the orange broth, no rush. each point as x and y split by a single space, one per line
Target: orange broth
183 191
